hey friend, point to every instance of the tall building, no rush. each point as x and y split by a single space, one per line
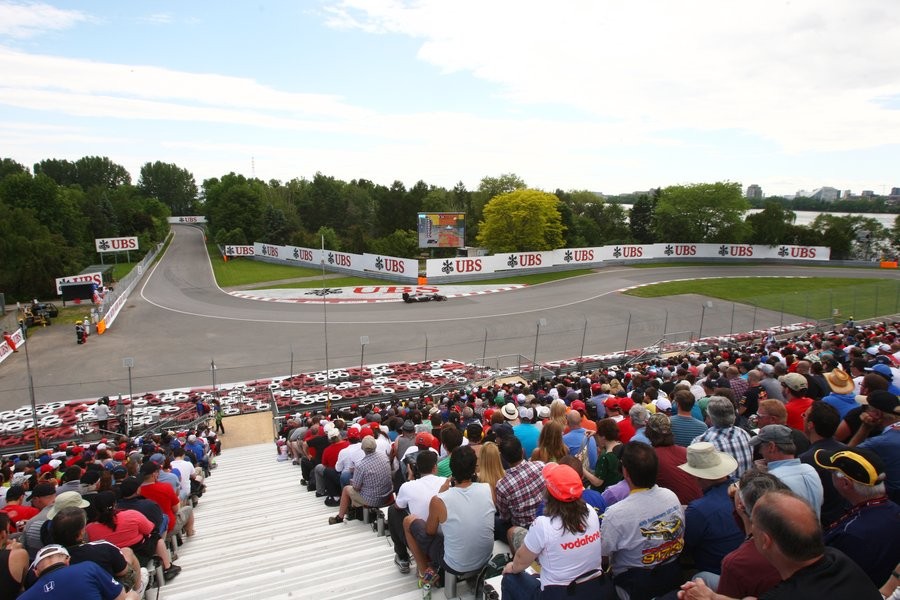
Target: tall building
754 192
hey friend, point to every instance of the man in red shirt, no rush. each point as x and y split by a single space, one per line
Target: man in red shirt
178 517
18 513
795 389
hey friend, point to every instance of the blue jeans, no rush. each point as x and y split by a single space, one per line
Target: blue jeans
520 586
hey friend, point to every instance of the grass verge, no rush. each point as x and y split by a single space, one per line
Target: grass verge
812 297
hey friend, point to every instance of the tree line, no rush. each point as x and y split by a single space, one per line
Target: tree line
51 214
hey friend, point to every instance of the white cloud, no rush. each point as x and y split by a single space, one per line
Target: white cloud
21 20
158 19
807 74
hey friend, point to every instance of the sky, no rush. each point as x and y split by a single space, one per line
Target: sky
611 97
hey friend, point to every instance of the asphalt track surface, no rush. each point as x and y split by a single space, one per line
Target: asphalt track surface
178 321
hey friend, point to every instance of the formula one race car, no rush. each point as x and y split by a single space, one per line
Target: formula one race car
422 297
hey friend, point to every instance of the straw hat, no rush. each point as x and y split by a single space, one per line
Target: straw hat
839 381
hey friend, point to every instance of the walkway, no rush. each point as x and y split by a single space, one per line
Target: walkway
261 536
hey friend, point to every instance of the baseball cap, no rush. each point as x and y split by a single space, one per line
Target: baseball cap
780 434
859 464
562 482
129 486
47 551
577 405
596 387
884 401
794 381
43 489
883 370
408 425
353 433
659 423
424 439
369 445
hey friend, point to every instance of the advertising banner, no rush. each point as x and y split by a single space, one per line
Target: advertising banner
379 263
116 244
188 220
239 251
83 278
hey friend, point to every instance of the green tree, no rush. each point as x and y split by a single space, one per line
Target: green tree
703 212
640 220
403 243
10 167
173 186
521 221
772 225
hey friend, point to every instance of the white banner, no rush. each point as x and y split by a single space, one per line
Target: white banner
380 263
239 251
18 340
116 244
83 278
189 220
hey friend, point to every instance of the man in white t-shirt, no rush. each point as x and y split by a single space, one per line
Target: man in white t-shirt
643 535
185 471
413 498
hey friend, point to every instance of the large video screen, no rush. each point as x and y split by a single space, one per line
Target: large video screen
442 230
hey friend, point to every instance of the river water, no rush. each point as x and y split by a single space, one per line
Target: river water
805 217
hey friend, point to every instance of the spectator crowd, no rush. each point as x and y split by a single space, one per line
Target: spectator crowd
766 470
100 520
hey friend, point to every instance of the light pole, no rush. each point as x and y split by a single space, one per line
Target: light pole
541 323
212 369
37 432
128 363
363 340
707 304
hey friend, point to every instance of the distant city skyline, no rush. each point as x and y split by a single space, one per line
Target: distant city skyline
600 95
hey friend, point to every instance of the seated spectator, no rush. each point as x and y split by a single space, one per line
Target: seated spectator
639 415
606 471
819 425
526 430
723 434
131 499
16 509
882 410
42 498
127 529
642 535
518 493
451 437
869 532
745 572
371 483
842 394
566 541
773 412
579 437
459 532
710 529
779 457
490 467
178 517
796 389
671 457
413 498
684 426
58 578
550 446
13 561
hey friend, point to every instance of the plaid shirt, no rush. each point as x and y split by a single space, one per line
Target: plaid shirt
732 440
372 478
519 493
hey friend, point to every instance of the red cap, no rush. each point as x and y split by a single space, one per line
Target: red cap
577 405
424 439
596 387
563 482
119 456
354 433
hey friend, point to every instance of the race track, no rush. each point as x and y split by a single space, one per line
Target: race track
178 321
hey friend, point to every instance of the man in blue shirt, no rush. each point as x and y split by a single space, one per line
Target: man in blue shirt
710 529
58 579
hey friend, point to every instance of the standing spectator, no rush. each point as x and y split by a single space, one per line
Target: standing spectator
642 535
710 530
101 409
779 458
219 414
724 435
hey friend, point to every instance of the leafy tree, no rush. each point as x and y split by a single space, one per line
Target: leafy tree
703 212
63 172
173 186
392 206
520 221
852 236
10 167
275 226
640 220
771 226
402 242
329 238
494 186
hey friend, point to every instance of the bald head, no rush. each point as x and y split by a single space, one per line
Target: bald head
754 377
803 367
573 419
790 522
